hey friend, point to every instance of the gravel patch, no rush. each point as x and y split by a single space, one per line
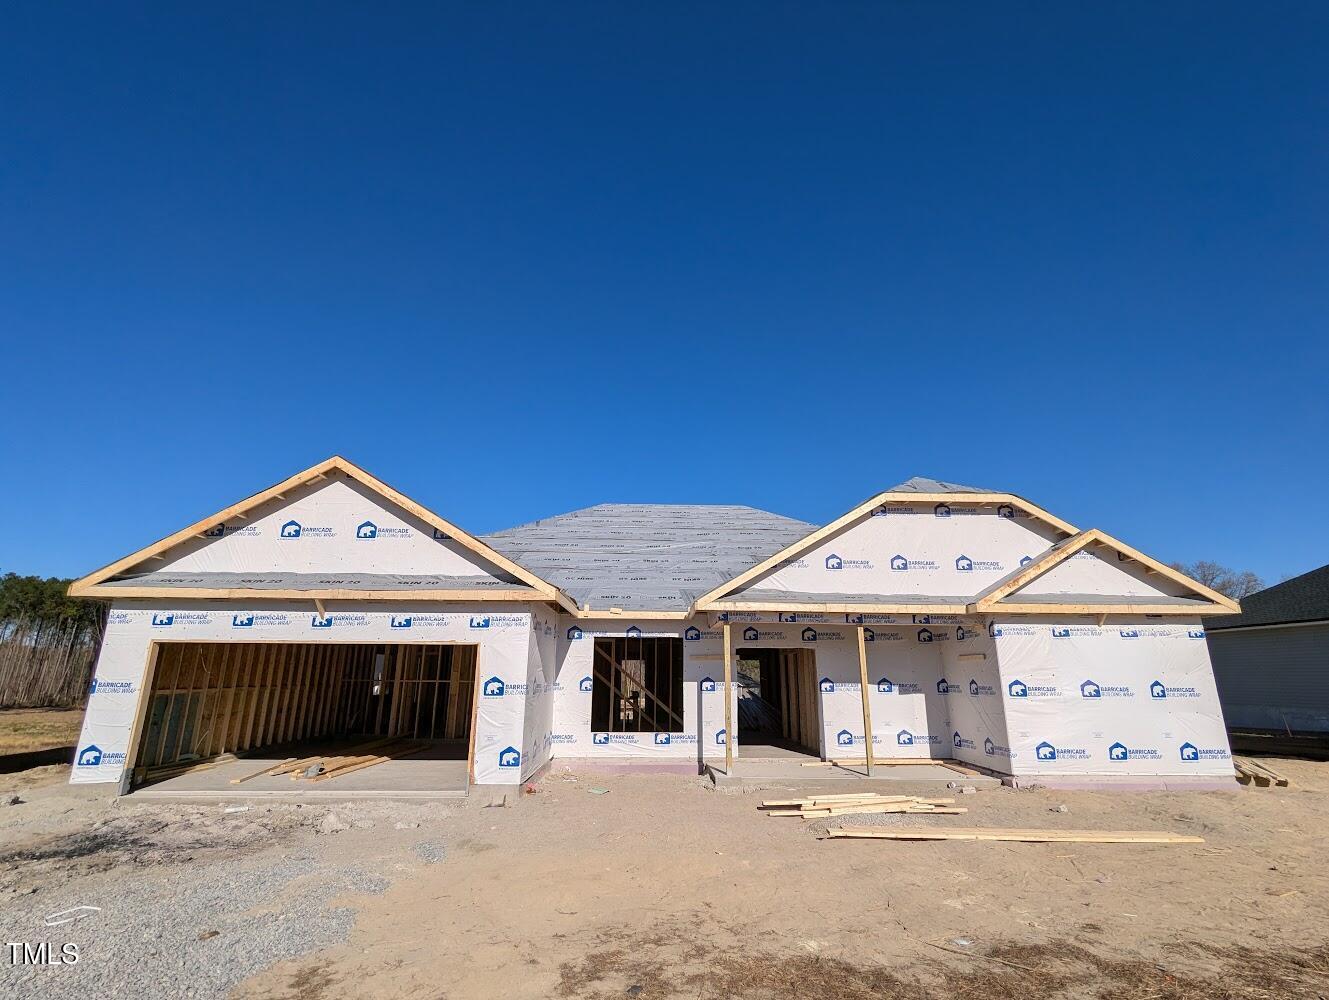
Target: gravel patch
193 931
430 852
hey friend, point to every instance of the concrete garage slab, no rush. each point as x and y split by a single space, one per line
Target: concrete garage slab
792 773
423 776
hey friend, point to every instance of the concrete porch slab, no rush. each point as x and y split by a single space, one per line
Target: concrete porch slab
791 773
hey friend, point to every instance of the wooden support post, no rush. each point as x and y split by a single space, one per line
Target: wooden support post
867 711
728 703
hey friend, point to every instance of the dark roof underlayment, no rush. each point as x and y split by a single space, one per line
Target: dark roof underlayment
646 557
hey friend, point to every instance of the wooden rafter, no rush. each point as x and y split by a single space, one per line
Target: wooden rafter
709 600
88 586
994 598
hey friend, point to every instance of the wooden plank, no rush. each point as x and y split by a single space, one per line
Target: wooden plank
405 751
1015 835
728 701
863 694
259 774
1260 768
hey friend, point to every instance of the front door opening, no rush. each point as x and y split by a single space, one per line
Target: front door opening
777 702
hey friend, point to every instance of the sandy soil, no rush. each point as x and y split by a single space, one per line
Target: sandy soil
663 887
23 729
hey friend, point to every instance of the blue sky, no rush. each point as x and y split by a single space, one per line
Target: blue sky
517 259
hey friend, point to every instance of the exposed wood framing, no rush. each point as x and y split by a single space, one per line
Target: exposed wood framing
990 599
728 700
706 601
88 585
839 608
863 690
203 700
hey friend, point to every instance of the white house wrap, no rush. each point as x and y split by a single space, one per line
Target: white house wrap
994 633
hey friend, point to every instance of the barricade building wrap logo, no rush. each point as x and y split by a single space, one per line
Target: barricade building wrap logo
632 632
1094 691
888 686
720 738
574 633
692 634
296 529
1195 633
1190 753
925 635
1159 690
101 687
826 684
163 620
93 756
368 531
600 739
977 690
1121 752
904 738
1046 752
494 688
899 563
960 742
1129 633
1019 689
399 621
964 564
479 622
809 635
835 562
844 738
994 749
662 739
321 621
707 685
230 530
586 685
338 620
509 757
1005 510
754 634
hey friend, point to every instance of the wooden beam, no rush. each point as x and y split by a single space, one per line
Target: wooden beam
1017 835
864 510
863 689
728 702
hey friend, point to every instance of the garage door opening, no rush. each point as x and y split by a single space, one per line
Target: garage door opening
337 717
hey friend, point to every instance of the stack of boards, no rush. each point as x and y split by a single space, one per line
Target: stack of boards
324 767
1257 773
820 806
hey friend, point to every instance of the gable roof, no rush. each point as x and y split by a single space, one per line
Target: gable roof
105 582
909 492
655 558
1304 598
1004 595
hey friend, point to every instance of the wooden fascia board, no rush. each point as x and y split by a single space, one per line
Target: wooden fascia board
332 594
604 614
1046 562
707 601
463 537
81 587
1207 610
840 608
1168 572
993 599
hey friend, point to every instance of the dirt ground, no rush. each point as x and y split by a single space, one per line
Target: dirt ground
662 887
23 729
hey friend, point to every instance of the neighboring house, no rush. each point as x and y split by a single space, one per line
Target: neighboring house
1272 660
989 629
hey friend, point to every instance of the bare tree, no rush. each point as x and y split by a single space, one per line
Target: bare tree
1234 583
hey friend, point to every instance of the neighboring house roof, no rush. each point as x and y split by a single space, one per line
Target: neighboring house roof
646 557
1304 598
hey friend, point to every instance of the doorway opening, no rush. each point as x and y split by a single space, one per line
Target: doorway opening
778 703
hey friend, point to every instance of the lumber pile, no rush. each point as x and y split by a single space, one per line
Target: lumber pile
822 806
1016 835
325 767
1257 772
